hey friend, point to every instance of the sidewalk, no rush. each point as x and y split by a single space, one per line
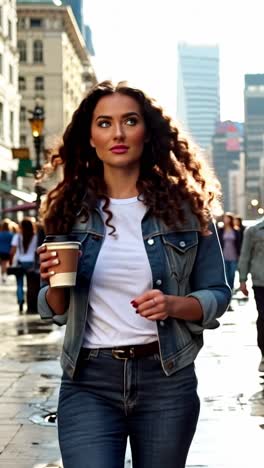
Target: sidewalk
230 430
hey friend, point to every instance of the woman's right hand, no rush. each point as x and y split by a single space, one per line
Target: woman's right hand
47 260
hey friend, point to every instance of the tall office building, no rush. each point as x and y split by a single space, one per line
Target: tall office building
198 104
55 70
227 146
89 40
254 141
77 8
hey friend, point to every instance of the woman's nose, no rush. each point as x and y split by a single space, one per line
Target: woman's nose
119 131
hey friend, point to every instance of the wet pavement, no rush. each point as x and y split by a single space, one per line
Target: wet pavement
230 431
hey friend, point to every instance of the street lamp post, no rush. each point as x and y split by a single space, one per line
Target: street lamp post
37 124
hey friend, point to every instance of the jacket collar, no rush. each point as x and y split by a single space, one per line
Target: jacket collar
151 226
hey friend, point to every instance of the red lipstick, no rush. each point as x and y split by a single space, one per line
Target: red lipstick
119 149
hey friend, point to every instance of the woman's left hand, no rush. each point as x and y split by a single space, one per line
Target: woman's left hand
153 305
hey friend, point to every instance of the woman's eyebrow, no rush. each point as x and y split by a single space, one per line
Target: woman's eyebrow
127 114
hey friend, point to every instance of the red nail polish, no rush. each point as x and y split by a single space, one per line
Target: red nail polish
137 312
134 304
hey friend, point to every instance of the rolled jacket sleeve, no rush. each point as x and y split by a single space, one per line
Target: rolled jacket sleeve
208 282
46 312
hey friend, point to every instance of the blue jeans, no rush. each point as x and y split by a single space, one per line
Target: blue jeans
230 267
20 281
110 400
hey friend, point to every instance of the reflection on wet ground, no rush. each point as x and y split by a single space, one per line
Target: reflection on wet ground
23 326
29 339
35 353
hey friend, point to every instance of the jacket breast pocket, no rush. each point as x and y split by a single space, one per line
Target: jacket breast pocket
181 248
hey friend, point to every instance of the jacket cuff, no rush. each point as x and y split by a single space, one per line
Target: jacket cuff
46 312
209 306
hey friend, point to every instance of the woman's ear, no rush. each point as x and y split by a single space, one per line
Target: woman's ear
92 143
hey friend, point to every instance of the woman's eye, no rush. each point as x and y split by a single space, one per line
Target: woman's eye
103 124
131 121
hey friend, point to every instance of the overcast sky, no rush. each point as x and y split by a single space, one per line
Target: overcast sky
137 40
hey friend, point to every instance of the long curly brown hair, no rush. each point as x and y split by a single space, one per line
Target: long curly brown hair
171 171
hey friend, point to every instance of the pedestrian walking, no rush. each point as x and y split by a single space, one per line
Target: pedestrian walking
230 239
23 248
238 223
150 279
5 245
252 261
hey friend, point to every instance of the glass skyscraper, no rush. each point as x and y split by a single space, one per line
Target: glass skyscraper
198 103
77 8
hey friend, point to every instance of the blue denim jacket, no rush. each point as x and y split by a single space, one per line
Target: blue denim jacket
183 262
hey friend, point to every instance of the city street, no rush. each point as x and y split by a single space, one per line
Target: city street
230 430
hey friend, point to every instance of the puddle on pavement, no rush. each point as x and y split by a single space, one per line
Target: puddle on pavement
27 327
33 328
35 352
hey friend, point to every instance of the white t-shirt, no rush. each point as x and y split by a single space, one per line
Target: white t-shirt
122 272
21 255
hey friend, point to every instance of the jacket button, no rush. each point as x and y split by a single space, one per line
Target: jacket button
170 365
158 282
162 323
182 244
151 241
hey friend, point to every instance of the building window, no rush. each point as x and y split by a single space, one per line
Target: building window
23 140
1 120
10 30
11 126
22 50
11 77
3 176
36 22
22 83
39 83
38 51
23 114
21 22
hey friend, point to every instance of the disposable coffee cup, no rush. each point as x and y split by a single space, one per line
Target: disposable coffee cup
68 255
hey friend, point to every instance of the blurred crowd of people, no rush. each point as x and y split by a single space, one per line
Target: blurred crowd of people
18 244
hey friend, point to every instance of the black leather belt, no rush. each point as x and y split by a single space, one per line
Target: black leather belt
127 352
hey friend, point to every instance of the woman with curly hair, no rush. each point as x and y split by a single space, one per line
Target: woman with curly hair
150 279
